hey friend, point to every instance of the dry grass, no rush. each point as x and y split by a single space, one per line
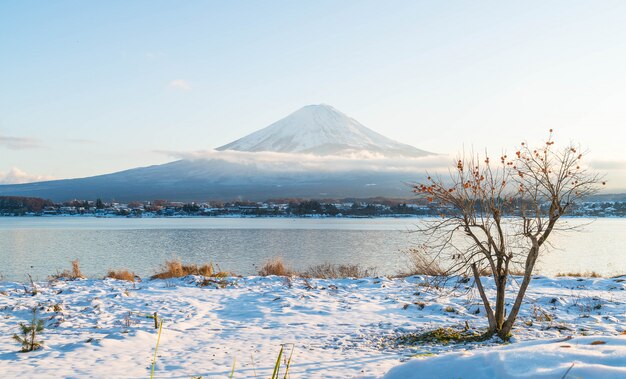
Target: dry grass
72 274
541 315
516 272
512 271
335 271
275 266
588 274
176 269
121 275
442 336
422 264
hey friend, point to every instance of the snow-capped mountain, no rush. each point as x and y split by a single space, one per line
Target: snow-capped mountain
322 130
349 160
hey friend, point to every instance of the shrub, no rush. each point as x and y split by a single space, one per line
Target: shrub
121 275
29 332
74 274
528 193
335 271
275 266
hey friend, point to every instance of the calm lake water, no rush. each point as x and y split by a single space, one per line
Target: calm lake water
43 245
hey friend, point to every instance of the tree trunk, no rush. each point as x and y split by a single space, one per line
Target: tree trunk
483 296
500 300
505 330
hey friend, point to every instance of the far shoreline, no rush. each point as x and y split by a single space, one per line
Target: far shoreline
311 216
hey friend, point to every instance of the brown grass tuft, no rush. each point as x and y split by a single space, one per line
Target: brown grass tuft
588 274
275 266
335 271
175 269
74 274
121 275
516 272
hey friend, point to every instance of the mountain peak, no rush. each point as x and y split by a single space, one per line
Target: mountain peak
319 108
321 129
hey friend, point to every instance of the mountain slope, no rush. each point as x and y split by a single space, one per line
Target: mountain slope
213 179
321 130
248 174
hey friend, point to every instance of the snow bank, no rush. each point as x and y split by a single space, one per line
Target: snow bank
583 357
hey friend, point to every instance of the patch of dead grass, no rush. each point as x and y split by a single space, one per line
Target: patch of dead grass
586 274
72 274
275 266
121 275
338 271
176 269
422 264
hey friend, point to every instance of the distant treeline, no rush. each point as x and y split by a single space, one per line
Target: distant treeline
20 205
373 207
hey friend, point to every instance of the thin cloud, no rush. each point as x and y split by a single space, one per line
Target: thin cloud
180 84
608 165
19 143
614 172
288 162
17 176
81 141
151 55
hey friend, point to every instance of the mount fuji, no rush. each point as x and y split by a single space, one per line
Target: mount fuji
315 152
321 130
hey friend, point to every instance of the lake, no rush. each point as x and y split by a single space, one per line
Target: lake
41 246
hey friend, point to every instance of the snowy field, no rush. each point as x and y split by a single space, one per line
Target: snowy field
341 328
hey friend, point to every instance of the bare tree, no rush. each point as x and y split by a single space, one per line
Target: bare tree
498 215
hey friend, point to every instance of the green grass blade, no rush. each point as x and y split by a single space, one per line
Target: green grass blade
277 366
253 368
156 349
232 372
293 347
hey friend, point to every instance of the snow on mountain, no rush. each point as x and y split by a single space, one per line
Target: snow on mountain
322 130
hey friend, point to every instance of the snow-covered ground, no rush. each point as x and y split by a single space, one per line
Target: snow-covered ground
340 329
582 357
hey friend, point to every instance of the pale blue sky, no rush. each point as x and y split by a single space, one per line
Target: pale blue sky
95 87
